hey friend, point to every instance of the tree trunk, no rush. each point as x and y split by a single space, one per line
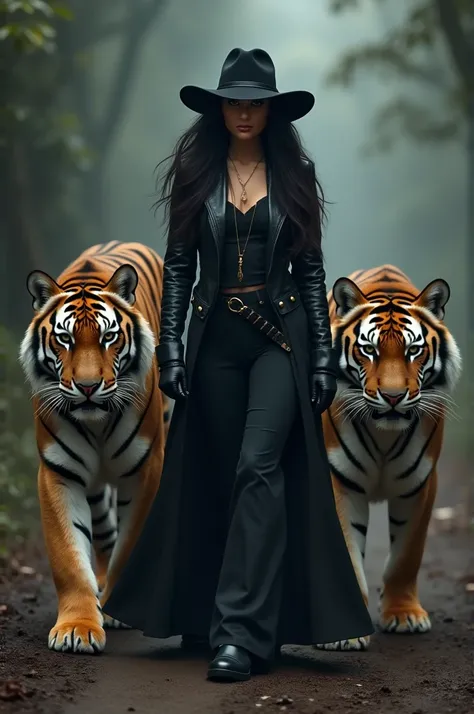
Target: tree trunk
24 242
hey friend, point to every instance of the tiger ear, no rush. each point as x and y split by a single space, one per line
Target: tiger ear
347 296
434 297
41 287
124 283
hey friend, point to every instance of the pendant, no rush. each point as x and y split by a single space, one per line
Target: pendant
240 274
243 197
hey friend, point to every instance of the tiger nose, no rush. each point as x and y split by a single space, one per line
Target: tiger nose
87 388
393 398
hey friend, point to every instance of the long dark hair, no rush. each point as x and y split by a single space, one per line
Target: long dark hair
197 162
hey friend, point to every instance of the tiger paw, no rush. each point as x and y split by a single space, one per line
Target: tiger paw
79 636
112 624
402 620
356 644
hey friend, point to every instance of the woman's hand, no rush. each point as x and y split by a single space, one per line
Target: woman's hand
173 379
323 390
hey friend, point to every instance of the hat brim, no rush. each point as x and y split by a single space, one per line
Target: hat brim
293 105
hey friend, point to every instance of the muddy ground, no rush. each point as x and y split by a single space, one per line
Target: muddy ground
404 674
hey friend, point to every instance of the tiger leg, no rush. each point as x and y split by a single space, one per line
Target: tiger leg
104 530
134 498
353 511
66 520
400 607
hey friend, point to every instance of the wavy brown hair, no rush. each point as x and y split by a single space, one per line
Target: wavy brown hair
199 158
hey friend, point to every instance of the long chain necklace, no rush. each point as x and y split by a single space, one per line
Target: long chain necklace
240 253
244 197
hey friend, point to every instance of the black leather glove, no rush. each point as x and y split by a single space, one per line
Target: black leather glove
323 390
173 379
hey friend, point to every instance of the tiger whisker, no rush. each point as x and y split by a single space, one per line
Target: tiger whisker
45 402
440 404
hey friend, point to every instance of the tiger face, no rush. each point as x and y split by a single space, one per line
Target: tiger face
87 351
397 358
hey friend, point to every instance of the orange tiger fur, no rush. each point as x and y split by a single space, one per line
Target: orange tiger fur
398 364
100 423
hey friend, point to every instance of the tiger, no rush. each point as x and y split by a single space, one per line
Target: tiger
100 422
398 365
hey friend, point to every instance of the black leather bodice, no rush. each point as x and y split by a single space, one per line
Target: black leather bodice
255 226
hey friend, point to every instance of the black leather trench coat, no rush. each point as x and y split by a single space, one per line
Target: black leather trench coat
162 588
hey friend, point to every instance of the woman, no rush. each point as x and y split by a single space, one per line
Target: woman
243 546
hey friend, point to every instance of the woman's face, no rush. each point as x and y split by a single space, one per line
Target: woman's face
245 119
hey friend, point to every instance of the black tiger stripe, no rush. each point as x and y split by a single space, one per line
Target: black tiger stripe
100 519
417 461
140 463
107 534
361 528
63 446
114 425
84 294
78 427
355 276
417 489
355 462
372 440
81 527
406 440
104 248
138 426
76 283
376 295
148 296
347 482
362 440
397 309
151 291
158 273
94 500
63 471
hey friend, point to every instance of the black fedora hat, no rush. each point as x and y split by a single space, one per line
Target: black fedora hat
247 75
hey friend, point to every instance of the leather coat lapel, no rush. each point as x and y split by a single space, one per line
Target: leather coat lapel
275 222
216 205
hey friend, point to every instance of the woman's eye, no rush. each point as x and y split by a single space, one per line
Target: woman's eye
233 102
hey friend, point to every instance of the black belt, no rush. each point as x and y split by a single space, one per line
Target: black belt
237 305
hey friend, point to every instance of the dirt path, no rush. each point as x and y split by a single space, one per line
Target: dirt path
401 674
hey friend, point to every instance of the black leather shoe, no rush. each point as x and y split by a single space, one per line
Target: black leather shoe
195 643
231 664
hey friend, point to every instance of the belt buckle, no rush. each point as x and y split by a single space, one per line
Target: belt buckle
240 303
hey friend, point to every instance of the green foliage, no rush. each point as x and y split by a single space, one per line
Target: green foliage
18 455
415 51
28 28
27 23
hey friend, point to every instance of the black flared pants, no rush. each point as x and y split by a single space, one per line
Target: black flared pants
246 388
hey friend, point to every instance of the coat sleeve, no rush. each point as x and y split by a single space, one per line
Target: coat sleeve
310 278
179 274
